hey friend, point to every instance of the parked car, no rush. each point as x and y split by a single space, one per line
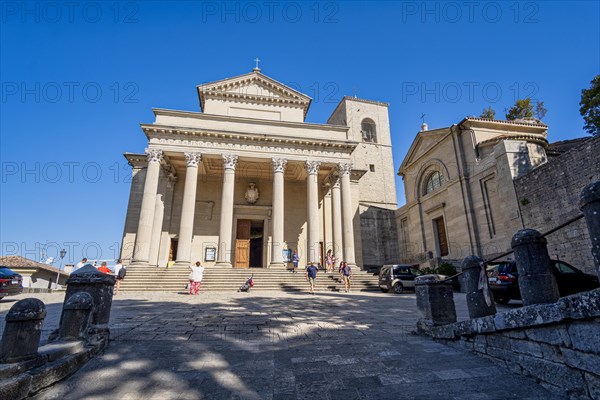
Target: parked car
11 283
397 277
503 279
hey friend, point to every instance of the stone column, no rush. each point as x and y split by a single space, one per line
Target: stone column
476 298
589 203
226 223
141 251
159 212
347 213
336 216
22 331
165 235
278 203
435 302
537 283
188 206
312 212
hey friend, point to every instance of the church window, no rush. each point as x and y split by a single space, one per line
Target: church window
367 128
372 167
434 182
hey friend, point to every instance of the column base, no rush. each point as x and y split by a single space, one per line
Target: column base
277 265
223 264
182 263
139 262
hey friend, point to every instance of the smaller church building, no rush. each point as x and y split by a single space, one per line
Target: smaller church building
247 181
460 196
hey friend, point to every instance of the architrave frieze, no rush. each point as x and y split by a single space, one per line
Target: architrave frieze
172 139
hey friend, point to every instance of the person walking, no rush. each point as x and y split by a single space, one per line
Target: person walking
295 261
120 272
347 276
311 276
80 264
104 268
329 261
195 277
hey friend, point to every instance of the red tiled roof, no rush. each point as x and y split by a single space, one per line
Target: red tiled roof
22 262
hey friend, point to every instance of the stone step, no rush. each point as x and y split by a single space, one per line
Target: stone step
175 279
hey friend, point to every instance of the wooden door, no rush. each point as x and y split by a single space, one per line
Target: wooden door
441 236
242 244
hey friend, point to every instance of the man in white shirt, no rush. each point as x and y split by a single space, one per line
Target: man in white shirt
80 264
118 267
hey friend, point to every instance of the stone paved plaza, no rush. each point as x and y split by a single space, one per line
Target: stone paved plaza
263 345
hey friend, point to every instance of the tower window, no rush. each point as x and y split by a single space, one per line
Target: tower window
368 130
372 167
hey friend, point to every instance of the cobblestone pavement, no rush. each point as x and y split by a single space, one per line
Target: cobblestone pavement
263 345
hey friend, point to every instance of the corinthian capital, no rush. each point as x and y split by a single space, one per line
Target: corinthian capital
312 167
344 168
154 155
193 159
278 164
230 161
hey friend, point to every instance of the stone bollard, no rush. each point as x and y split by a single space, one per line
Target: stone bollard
435 302
537 284
76 315
476 303
22 331
99 286
589 203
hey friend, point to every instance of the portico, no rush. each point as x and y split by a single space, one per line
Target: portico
244 183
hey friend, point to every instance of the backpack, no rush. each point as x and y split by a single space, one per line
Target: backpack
122 273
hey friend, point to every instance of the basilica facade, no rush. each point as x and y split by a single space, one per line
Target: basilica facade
247 182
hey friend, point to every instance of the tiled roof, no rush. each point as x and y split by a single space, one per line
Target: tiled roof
22 262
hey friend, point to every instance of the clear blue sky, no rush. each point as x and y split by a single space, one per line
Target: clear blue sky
78 80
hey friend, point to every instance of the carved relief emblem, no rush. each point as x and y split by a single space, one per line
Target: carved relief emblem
252 194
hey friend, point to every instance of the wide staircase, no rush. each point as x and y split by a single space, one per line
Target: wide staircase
175 279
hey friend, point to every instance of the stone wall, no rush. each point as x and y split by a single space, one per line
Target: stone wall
557 344
379 237
549 196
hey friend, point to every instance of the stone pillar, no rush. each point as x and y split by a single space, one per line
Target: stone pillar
536 280
76 317
165 235
159 212
336 216
226 223
312 212
471 267
589 203
278 212
347 213
141 251
100 288
188 206
435 302
22 331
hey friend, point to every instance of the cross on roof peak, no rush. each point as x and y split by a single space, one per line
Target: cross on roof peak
257 60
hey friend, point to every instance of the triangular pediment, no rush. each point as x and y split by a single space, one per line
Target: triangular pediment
254 87
423 143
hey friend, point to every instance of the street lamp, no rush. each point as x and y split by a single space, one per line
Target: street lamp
63 253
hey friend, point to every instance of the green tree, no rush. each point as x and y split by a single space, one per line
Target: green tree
488 113
590 107
522 109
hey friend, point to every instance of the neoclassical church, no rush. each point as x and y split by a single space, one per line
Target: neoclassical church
246 182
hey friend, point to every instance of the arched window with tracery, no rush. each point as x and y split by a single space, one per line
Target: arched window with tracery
368 130
435 180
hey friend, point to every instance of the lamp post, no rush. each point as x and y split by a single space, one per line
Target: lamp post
63 253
